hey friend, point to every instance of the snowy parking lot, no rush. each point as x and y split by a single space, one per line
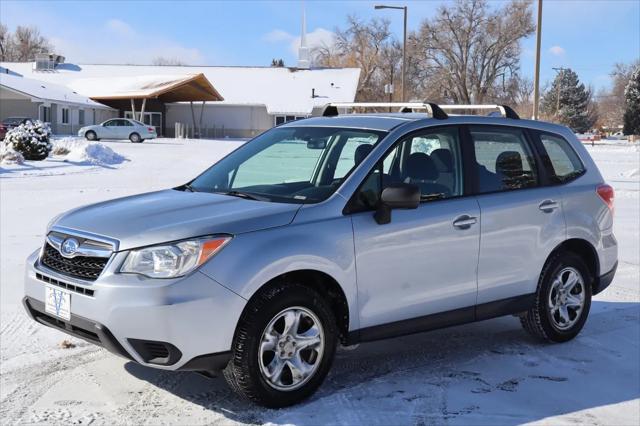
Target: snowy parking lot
490 372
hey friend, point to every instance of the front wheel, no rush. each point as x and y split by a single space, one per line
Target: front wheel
563 299
91 136
283 347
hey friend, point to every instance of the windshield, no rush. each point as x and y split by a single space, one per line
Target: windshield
289 164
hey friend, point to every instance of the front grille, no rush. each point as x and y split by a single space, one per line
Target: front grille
70 287
86 268
64 326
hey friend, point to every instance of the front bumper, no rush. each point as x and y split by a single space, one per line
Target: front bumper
185 323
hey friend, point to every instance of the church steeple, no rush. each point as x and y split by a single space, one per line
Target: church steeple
303 50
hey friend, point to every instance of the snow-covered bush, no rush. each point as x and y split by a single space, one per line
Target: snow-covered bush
64 146
8 155
31 139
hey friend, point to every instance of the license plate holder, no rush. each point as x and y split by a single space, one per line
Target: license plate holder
58 302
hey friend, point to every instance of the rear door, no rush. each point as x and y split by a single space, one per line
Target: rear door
522 219
424 261
125 129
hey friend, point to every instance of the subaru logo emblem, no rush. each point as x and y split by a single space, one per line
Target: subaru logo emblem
69 247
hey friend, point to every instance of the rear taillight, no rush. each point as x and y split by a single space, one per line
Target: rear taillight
151 129
607 194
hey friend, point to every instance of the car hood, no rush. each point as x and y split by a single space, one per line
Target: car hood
170 215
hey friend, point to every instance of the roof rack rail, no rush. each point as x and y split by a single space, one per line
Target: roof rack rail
331 110
434 110
504 110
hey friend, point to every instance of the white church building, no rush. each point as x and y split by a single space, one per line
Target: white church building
208 101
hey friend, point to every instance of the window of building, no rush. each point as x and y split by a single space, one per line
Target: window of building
503 158
65 115
44 113
562 158
281 119
81 117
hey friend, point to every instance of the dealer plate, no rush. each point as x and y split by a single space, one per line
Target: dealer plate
58 302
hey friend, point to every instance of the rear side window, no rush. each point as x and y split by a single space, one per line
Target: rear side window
563 159
504 160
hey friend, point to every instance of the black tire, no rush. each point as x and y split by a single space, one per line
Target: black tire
135 138
243 371
91 136
538 320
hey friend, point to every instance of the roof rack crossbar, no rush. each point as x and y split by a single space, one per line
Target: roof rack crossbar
331 110
505 110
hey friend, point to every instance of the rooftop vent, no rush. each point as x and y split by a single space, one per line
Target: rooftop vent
47 61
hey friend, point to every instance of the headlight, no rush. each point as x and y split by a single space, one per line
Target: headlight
172 260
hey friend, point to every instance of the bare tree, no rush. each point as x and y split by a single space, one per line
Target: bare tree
4 39
26 43
611 103
369 46
467 48
163 61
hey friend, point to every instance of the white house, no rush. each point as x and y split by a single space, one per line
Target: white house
59 105
251 99
211 101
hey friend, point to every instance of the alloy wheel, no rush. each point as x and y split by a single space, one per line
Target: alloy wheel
566 298
291 348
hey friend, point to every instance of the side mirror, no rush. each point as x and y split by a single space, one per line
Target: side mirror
397 196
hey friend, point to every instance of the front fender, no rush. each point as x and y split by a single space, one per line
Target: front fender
253 259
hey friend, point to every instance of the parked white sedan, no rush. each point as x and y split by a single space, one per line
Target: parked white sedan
119 128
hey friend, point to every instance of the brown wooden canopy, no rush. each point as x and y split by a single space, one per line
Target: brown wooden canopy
193 88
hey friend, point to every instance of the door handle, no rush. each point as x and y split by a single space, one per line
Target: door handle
464 222
548 206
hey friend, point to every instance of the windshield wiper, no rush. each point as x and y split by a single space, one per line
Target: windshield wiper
187 188
240 194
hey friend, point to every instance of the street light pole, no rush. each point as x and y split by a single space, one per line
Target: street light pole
404 46
536 81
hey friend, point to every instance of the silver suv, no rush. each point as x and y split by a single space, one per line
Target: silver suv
335 230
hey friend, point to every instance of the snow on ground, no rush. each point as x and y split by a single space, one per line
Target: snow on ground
484 373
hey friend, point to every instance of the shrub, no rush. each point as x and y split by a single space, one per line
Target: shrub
30 139
8 155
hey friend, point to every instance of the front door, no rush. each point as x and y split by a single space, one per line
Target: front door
110 129
424 261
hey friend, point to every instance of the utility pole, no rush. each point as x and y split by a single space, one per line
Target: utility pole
536 83
561 71
404 45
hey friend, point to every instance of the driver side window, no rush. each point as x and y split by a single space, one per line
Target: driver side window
430 159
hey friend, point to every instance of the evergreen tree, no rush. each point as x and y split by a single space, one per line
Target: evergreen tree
574 108
632 111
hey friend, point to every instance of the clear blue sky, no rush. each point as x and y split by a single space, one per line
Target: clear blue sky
586 35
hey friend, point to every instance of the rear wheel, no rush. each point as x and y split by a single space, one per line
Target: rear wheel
563 299
91 135
283 347
135 138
